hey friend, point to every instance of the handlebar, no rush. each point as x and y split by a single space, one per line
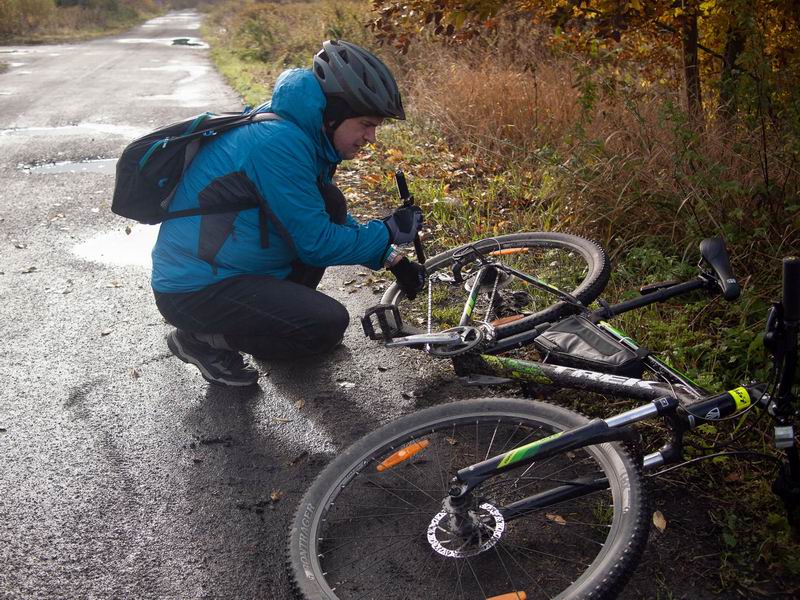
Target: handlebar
791 289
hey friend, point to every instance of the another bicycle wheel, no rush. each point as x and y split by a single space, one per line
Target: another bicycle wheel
569 263
371 532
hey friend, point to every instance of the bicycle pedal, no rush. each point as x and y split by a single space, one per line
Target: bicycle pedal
385 330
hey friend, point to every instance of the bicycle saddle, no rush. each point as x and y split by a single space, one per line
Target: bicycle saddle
715 254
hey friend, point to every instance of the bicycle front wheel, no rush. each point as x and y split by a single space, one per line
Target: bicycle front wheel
369 530
566 262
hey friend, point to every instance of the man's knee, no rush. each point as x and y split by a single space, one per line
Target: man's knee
335 322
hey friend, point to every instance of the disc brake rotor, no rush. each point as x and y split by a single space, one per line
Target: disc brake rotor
489 530
503 279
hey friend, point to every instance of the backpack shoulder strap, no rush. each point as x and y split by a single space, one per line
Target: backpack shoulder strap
265 116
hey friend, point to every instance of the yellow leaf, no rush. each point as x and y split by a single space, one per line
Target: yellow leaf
556 518
659 521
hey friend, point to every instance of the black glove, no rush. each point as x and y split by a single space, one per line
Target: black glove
403 224
410 276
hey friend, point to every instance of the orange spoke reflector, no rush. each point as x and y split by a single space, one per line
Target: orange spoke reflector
503 253
510 596
403 454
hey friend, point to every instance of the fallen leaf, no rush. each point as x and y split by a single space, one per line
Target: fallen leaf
733 477
134 372
299 404
299 457
281 420
29 270
451 441
276 495
556 518
127 230
659 521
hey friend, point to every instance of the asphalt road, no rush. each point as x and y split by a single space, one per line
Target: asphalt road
122 473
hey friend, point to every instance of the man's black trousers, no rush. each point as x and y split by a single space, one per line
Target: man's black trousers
261 315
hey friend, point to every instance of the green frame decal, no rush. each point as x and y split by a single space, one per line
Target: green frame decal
517 369
526 451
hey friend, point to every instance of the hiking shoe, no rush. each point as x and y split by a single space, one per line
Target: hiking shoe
222 367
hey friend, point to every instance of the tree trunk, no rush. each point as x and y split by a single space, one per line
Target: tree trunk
691 68
734 45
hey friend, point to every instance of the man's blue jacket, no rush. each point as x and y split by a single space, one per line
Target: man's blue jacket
279 163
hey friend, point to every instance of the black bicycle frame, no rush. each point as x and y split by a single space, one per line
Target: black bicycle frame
506 369
597 431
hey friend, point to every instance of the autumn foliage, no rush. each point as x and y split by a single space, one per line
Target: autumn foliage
627 119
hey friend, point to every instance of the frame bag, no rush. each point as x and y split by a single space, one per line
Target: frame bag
579 343
150 168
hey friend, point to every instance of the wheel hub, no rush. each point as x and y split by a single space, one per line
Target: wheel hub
481 531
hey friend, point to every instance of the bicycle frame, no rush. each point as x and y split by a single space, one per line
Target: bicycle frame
505 369
780 339
597 431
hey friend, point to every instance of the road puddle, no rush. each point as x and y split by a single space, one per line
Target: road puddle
101 165
187 42
119 247
80 129
181 41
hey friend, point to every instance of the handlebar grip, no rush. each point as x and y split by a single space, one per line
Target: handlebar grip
402 186
791 288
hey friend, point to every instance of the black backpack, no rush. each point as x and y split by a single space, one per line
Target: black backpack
150 168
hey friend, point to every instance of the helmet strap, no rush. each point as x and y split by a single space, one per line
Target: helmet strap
336 112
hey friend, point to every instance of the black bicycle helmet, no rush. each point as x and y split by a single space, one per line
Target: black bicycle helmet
358 77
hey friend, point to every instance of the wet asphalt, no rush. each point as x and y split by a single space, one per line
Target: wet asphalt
122 473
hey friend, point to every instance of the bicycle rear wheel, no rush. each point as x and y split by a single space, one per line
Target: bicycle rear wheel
363 531
569 263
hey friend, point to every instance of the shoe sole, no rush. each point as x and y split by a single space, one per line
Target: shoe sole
175 347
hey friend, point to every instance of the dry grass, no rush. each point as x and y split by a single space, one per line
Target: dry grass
43 21
618 158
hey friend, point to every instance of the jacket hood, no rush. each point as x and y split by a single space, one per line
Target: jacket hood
298 97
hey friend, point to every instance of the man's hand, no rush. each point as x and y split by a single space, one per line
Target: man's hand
403 224
410 276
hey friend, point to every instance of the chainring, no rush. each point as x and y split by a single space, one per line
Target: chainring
471 338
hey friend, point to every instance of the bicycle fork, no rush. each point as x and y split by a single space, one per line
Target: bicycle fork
597 431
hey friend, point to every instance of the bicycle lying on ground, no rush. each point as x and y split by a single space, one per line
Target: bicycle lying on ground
507 498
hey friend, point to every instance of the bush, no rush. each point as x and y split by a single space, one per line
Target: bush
19 16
